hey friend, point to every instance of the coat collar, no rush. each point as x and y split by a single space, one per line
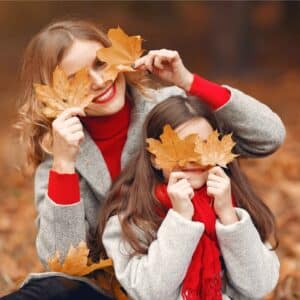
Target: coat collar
90 162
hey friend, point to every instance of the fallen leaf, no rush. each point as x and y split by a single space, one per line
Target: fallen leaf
64 93
76 262
214 151
120 56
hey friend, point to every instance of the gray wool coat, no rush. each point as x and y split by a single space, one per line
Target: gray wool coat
258 132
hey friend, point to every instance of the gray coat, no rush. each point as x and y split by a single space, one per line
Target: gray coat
258 132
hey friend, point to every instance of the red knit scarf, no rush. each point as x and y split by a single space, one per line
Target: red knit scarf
203 278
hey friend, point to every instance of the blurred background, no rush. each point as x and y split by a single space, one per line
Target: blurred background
253 46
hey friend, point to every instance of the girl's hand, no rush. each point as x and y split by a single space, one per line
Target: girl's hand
168 66
218 186
181 192
67 135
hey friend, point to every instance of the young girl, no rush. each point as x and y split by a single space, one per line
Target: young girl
180 234
77 156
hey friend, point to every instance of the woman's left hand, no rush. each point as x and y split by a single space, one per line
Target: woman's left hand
168 66
219 187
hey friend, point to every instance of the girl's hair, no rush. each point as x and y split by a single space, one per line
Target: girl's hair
43 53
132 195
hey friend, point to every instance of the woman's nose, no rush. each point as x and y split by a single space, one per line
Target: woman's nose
97 80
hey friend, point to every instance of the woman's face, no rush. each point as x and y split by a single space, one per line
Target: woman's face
196 176
109 97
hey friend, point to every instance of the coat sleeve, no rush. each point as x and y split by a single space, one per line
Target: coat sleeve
257 130
159 274
59 226
251 267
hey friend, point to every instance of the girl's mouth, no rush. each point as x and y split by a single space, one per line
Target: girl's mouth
106 96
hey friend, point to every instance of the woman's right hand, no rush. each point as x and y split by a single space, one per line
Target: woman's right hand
181 192
67 136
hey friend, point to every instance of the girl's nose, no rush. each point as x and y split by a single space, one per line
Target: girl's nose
97 80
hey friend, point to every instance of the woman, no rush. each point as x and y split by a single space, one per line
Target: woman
78 155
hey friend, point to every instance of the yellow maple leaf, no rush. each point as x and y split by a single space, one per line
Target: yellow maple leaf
76 262
172 151
120 56
64 92
214 151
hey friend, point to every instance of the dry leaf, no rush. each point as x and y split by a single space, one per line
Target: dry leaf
64 92
76 262
120 56
171 151
214 151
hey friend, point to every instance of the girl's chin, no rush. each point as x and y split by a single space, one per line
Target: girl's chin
197 184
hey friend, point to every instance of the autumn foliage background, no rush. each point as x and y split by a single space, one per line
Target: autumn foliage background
252 46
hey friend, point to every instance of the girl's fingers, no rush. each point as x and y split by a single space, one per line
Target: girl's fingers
176 176
214 184
190 192
216 178
218 171
211 191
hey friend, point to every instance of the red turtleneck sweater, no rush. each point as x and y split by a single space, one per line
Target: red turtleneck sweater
110 133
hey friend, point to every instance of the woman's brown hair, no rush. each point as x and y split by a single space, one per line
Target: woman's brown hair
132 195
43 53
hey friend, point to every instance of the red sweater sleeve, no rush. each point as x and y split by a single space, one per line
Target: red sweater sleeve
63 188
211 93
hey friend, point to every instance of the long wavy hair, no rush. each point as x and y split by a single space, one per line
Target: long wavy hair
43 53
132 196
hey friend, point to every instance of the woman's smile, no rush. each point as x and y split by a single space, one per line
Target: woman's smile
106 96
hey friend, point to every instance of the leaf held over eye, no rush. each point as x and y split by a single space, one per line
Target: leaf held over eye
172 151
64 93
214 151
120 56
76 262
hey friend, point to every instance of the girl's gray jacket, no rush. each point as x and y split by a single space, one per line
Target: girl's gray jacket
258 131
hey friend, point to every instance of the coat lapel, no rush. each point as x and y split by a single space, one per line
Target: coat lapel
90 162
135 128
91 165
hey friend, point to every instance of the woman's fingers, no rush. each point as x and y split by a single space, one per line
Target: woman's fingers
72 121
75 128
70 112
155 58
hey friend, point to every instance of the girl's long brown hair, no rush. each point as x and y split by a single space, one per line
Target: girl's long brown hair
43 53
132 195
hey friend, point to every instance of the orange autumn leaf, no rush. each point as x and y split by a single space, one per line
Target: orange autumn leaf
171 151
76 262
214 151
120 56
64 92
